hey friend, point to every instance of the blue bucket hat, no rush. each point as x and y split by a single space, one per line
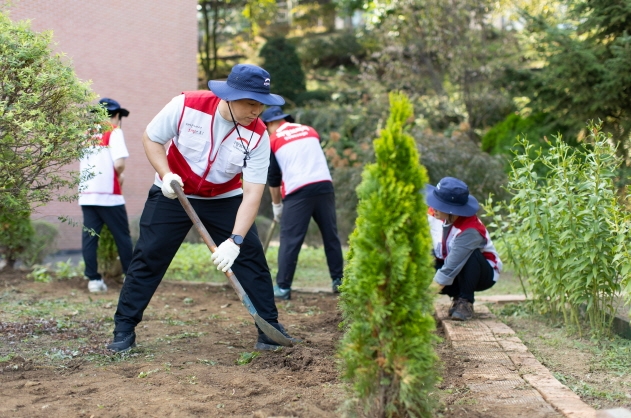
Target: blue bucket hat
113 107
246 81
451 196
273 113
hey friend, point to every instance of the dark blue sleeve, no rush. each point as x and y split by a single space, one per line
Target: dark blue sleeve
274 175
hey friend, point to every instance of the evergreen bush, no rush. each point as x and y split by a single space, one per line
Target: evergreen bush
387 353
567 232
281 61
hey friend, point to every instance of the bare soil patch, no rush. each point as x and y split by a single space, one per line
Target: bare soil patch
53 362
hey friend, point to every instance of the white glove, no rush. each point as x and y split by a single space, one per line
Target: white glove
225 255
278 211
167 190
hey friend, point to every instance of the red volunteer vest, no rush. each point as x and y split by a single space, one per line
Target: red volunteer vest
194 183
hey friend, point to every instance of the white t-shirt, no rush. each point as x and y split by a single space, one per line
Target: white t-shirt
98 164
164 127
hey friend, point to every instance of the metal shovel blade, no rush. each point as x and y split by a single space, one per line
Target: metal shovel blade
265 326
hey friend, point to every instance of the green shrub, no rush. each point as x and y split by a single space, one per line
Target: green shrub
45 113
42 243
568 232
192 263
281 61
16 235
330 50
387 351
458 156
502 138
107 255
307 97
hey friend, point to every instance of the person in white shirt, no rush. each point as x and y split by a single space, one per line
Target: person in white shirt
101 197
218 151
302 188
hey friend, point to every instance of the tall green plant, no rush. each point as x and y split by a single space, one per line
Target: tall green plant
569 229
387 351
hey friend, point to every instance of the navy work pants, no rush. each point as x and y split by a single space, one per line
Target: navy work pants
94 217
297 214
163 227
476 275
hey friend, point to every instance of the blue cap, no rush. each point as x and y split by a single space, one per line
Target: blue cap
113 107
451 196
273 113
246 81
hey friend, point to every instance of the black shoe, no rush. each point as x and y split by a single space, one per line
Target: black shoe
336 285
463 311
265 343
123 341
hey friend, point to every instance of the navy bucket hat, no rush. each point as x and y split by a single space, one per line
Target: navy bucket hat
451 196
273 113
113 107
246 81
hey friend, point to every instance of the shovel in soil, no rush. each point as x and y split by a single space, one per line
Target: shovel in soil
265 326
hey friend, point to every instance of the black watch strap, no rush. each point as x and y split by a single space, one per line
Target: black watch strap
238 239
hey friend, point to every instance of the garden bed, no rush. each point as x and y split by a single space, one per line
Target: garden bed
53 362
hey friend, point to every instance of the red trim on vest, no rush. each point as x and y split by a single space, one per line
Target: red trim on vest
277 139
105 142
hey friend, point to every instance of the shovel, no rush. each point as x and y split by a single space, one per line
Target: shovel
265 326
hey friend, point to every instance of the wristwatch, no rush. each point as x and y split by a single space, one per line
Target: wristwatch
238 239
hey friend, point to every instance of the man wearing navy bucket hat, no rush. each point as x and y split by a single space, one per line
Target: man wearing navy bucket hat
300 182
466 259
219 153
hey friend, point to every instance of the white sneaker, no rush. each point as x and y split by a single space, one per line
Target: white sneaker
97 286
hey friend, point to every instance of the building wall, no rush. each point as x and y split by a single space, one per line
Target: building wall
140 53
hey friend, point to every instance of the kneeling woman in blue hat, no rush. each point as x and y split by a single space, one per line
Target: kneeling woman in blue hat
466 259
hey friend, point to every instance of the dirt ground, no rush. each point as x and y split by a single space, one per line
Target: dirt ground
193 358
53 362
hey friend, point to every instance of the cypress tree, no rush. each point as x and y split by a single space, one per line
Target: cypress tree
283 64
387 351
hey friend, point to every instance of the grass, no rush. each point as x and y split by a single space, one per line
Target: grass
508 284
192 263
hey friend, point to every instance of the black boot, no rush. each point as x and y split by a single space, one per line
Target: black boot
265 343
123 341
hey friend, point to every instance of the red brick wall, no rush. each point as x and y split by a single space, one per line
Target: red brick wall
140 53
